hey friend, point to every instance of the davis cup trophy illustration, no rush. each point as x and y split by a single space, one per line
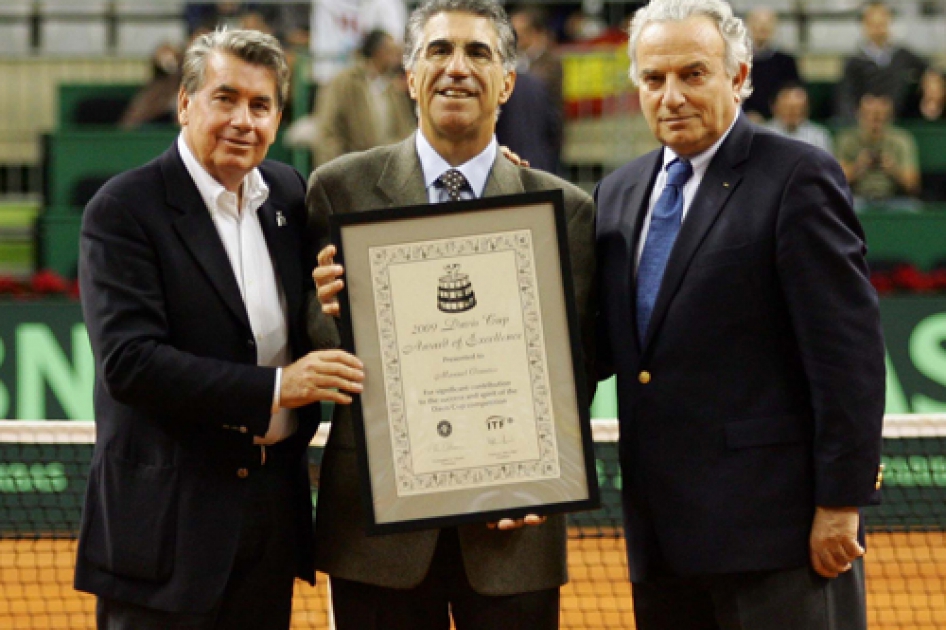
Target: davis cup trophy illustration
454 291
463 314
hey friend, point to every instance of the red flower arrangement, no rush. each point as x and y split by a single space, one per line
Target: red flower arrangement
45 283
906 278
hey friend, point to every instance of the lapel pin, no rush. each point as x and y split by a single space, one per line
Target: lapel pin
280 218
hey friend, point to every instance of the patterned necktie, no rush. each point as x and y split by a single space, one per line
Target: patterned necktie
454 181
664 225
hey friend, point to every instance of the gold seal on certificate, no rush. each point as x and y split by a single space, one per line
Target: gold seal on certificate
464 318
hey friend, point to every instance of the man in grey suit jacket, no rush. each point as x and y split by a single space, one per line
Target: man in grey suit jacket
460 64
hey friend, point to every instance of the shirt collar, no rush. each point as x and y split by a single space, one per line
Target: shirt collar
255 190
476 170
700 162
763 54
880 55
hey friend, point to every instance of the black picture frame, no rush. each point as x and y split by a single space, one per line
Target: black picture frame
438 455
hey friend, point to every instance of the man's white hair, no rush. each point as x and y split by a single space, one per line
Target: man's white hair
735 36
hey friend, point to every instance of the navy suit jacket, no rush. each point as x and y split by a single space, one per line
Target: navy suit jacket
758 392
531 124
178 394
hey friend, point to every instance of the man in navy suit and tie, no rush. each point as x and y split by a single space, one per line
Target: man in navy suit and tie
736 311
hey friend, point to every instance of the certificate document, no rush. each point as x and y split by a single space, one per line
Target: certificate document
465 368
474 405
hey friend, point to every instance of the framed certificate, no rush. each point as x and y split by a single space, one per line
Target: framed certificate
474 406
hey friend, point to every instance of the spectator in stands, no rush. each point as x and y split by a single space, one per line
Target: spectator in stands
933 102
536 51
879 160
366 105
288 21
530 125
532 121
194 278
204 16
581 27
156 102
879 67
790 117
771 68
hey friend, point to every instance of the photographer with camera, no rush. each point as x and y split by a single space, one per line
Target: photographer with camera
879 159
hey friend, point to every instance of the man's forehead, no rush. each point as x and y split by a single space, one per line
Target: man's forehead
228 72
681 43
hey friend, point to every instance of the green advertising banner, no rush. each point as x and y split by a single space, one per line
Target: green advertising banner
915 331
46 372
46 368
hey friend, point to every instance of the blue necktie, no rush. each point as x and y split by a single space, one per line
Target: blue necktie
664 225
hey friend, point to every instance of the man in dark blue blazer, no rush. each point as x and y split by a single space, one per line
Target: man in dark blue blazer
194 273
530 124
736 311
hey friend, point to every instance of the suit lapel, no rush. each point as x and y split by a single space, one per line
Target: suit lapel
198 233
503 178
402 179
284 250
720 180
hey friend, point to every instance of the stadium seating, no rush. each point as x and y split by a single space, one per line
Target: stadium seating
83 104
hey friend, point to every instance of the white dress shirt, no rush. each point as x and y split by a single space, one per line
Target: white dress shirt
476 170
242 236
699 163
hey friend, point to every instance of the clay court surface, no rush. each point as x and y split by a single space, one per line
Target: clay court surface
906 586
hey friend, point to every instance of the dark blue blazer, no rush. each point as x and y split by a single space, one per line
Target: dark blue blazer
178 394
758 392
531 124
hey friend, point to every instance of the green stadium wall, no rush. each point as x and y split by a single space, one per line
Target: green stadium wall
46 372
46 367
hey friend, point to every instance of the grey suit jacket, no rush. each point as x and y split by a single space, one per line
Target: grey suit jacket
497 563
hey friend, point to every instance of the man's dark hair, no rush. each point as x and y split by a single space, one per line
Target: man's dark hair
372 41
537 17
489 9
787 86
250 46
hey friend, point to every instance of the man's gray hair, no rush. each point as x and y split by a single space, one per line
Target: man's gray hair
735 36
489 9
252 47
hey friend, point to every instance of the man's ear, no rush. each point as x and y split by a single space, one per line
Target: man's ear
739 79
509 84
411 89
183 100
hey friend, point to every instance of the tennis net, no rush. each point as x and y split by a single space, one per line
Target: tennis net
44 466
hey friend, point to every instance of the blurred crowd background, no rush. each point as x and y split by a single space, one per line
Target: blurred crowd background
88 88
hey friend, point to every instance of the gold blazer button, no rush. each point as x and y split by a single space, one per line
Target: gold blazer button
644 377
